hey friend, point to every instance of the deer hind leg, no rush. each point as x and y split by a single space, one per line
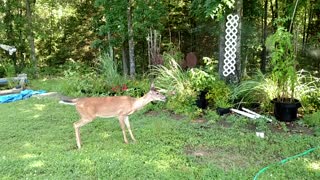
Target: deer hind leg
77 126
126 121
123 127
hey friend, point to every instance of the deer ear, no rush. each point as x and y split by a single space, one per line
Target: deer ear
152 86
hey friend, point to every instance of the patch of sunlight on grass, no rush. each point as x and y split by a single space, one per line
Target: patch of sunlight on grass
28 156
27 145
39 107
36 164
90 165
36 116
314 166
105 135
162 164
87 162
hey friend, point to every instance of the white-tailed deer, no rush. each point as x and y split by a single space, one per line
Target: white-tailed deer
112 106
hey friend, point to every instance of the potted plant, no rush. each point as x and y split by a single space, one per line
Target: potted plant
283 74
222 106
202 80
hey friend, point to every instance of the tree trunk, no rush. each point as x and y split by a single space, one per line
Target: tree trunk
304 28
31 38
293 16
274 12
124 58
222 46
110 47
238 72
264 32
236 76
131 41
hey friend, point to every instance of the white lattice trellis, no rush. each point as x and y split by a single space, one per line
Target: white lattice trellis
231 42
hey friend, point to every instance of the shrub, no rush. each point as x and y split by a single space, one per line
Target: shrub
259 89
262 89
283 60
172 52
308 91
80 84
176 83
185 86
219 94
7 69
108 70
313 119
137 88
205 79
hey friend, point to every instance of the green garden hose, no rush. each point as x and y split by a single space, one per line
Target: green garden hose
285 160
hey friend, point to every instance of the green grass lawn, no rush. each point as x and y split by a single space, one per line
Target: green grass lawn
38 142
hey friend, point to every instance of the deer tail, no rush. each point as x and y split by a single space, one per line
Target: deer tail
68 101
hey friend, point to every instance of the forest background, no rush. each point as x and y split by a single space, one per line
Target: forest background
50 34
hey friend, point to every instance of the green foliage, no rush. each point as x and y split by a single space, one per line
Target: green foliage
311 102
171 79
184 86
172 52
148 15
219 95
115 21
308 91
258 89
8 69
83 83
261 124
200 79
137 88
238 121
313 119
108 70
283 62
204 77
184 103
176 83
211 116
213 9
262 89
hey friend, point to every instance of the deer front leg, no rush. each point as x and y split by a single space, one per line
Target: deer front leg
126 121
77 126
123 127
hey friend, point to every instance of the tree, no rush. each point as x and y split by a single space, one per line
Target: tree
131 39
128 22
264 27
219 10
31 35
13 26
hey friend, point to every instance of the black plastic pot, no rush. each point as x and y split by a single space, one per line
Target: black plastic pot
222 111
201 101
286 111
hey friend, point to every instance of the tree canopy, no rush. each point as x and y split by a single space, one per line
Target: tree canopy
48 34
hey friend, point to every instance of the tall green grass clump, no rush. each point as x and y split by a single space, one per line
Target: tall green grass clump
262 89
109 70
175 82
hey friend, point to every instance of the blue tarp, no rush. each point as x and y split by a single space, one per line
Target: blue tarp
22 95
